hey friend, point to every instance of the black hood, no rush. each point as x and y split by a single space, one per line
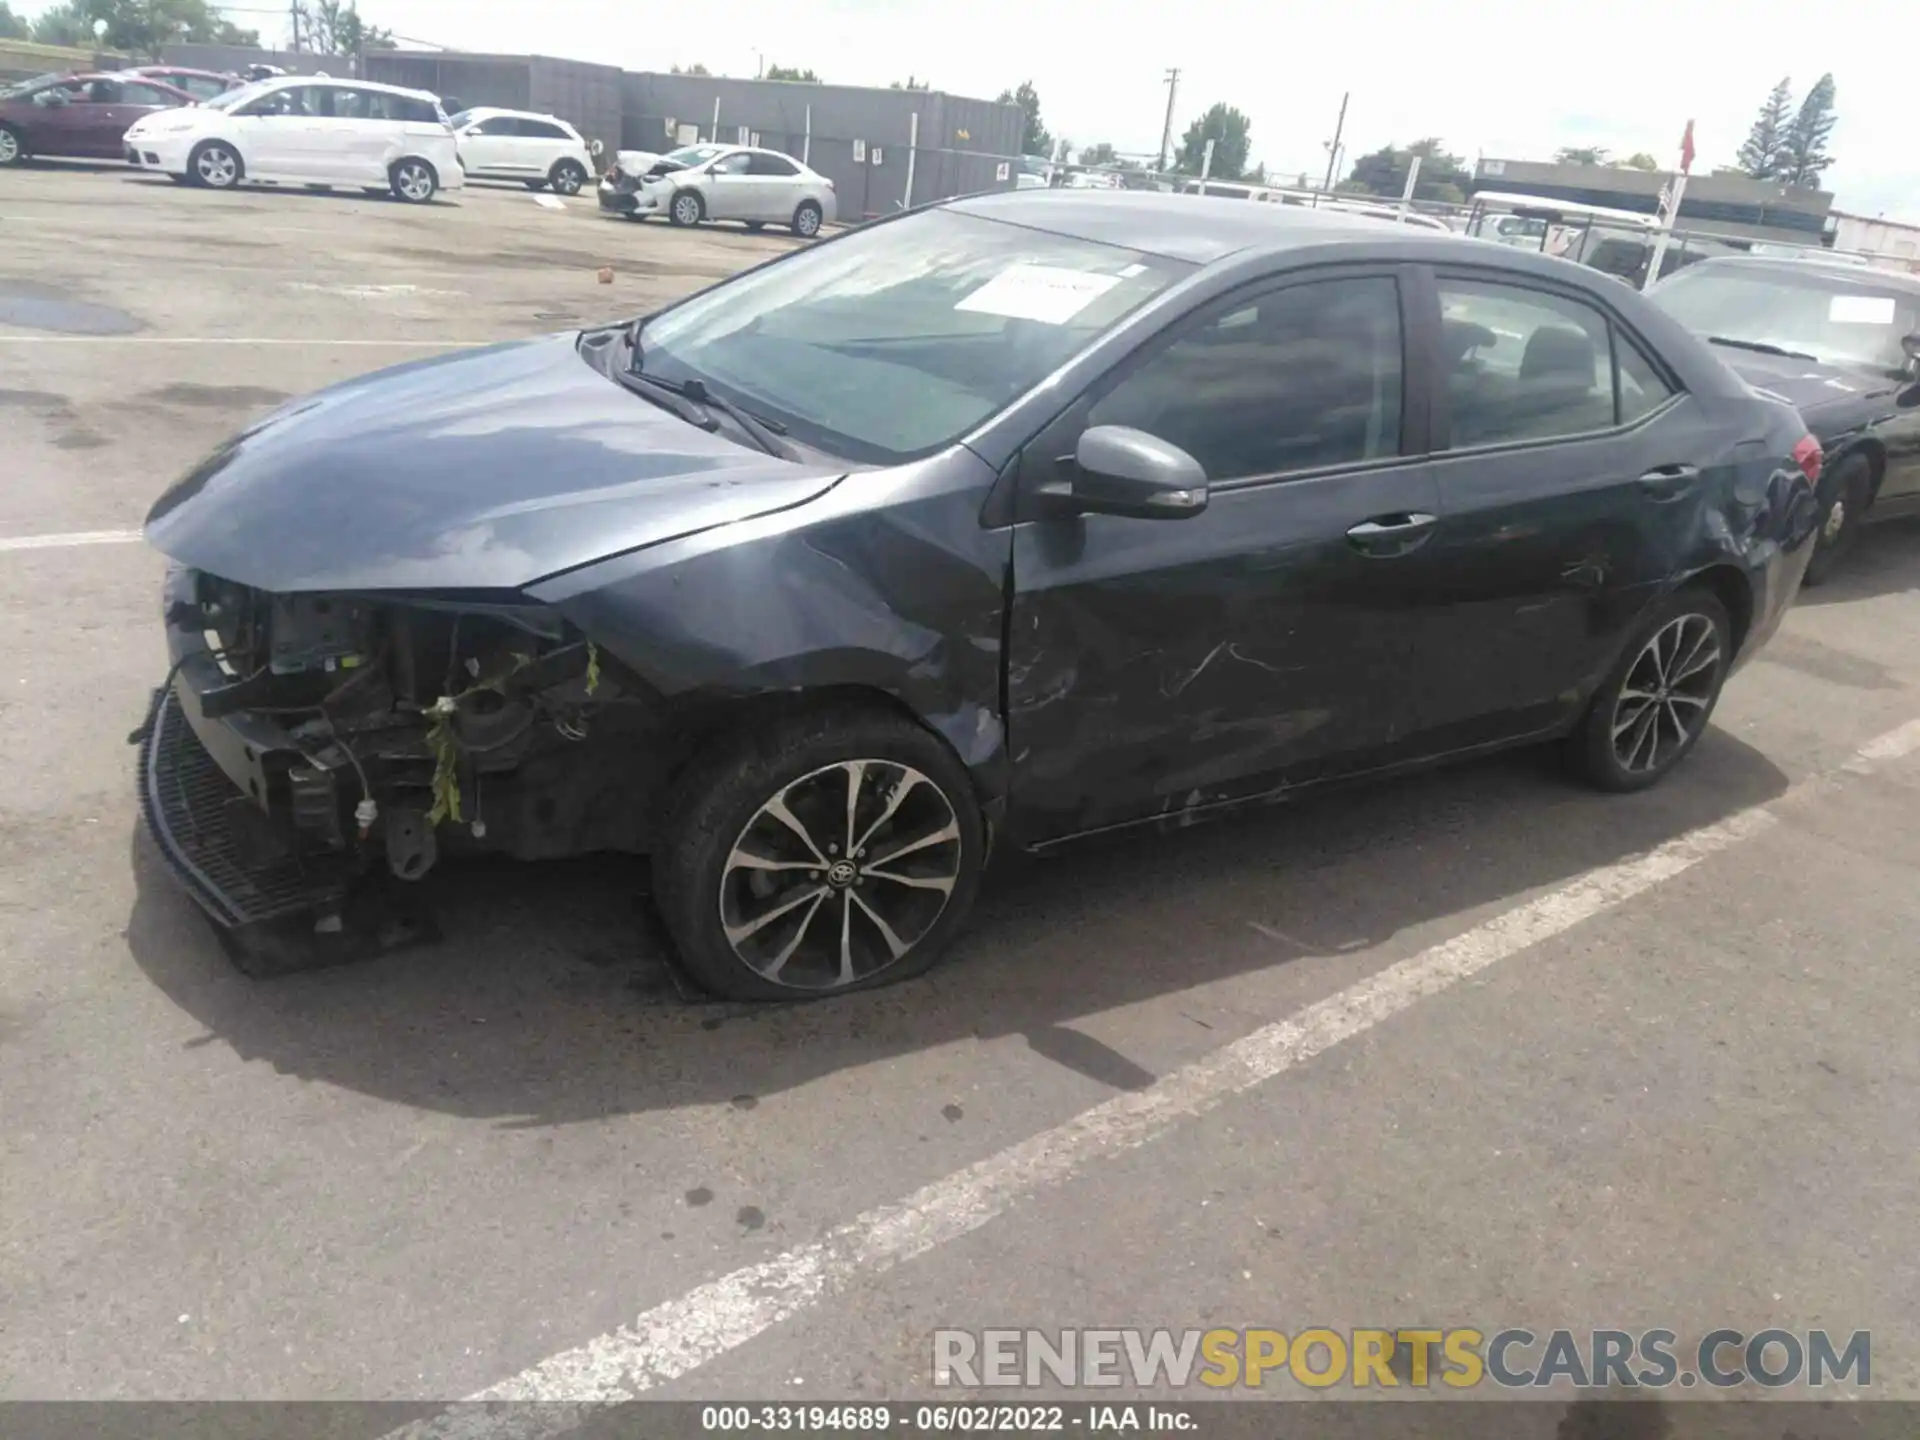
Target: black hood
481 470
1830 398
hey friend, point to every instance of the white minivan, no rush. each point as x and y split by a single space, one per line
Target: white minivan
306 130
539 150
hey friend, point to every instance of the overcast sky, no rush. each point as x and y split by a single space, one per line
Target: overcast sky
1493 77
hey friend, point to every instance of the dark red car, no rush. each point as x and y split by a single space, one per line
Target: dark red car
79 115
200 84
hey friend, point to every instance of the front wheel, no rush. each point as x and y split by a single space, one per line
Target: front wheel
414 181
827 853
215 165
806 220
567 177
1849 491
1655 704
12 152
686 209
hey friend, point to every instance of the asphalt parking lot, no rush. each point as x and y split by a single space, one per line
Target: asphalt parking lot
1481 1049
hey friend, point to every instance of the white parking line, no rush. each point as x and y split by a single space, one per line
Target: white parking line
705 1323
72 538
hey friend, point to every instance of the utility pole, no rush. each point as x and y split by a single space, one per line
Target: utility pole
1166 131
1333 145
293 9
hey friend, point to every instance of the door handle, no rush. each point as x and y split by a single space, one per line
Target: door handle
1664 483
1392 534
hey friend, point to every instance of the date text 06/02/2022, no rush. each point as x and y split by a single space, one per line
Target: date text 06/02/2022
947 1418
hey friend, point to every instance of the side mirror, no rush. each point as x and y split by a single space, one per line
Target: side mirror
1910 346
1123 471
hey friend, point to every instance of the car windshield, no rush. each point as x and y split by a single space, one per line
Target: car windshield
231 98
459 121
22 87
892 342
693 154
1845 319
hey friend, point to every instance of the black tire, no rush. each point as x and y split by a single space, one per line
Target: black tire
13 147
320 189
806 219
687 208
1625 744
567 177
375 191
1845 494
718 811
413 180
215 165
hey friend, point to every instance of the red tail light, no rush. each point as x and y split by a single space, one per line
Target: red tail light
1808 456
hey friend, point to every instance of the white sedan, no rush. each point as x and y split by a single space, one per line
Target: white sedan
306 130
721 182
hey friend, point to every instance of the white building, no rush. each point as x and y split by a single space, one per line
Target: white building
1891 244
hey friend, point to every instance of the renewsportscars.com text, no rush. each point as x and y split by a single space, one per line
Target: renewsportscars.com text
1463 1358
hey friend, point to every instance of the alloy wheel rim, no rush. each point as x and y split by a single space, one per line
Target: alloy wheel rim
9 147
1663 702
687 209
809 222
216 167
567 182
1836 521
414 183
840 875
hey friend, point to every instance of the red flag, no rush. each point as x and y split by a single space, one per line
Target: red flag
1686 150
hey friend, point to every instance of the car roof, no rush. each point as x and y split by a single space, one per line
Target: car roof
1831 269
516 114
177 70
1200 228
281 82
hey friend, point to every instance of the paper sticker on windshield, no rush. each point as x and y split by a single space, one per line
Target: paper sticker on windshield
1046 293
1861 310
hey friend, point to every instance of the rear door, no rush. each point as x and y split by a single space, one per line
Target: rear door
355 137
777 185
1162 666
543 142
1572 472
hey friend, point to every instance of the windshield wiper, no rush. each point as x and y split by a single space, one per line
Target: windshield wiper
764 433
667 396
1761 346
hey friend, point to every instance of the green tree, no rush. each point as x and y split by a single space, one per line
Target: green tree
1232 135
912 84
1443 175
1035 138
140 26
12 27
1101 154
789 72
694 69
1803 154
1639 160
65 24
1761 155
1582 155
334 27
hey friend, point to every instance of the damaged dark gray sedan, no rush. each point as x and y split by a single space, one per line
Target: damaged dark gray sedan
1025 516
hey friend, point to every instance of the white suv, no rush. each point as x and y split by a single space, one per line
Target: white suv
306 130
540 150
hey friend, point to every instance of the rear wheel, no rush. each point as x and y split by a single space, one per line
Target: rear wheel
1655 705
215 165
826 853
567 177
806 219
686 209
12 150
1848 491
414 180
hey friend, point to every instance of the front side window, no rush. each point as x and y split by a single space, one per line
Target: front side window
1300 378
730 165
1523 364
498 125
295 100
202 88
103 92
1799 309
892 342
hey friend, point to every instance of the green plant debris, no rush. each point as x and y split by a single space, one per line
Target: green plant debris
593 667
446 762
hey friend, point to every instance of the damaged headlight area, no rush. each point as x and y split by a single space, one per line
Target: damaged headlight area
303 743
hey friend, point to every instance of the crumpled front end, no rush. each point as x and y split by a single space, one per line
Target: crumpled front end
304 744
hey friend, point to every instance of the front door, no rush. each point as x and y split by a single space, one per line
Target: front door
100 120
1571 473
776 184
730 193
282 134
1164 666
492 145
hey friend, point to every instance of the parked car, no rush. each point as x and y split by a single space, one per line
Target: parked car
79 116
1022 516
200 84
723 182
298 130
1842 344
540 150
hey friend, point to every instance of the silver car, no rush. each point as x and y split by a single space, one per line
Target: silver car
721 182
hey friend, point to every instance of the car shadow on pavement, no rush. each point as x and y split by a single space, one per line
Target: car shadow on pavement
550 1000
1885 561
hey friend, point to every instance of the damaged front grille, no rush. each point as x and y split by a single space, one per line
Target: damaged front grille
188 804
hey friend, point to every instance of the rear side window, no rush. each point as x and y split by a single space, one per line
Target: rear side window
201 88
542 130
1522 364
103 92
1300 378
764 164
135 94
